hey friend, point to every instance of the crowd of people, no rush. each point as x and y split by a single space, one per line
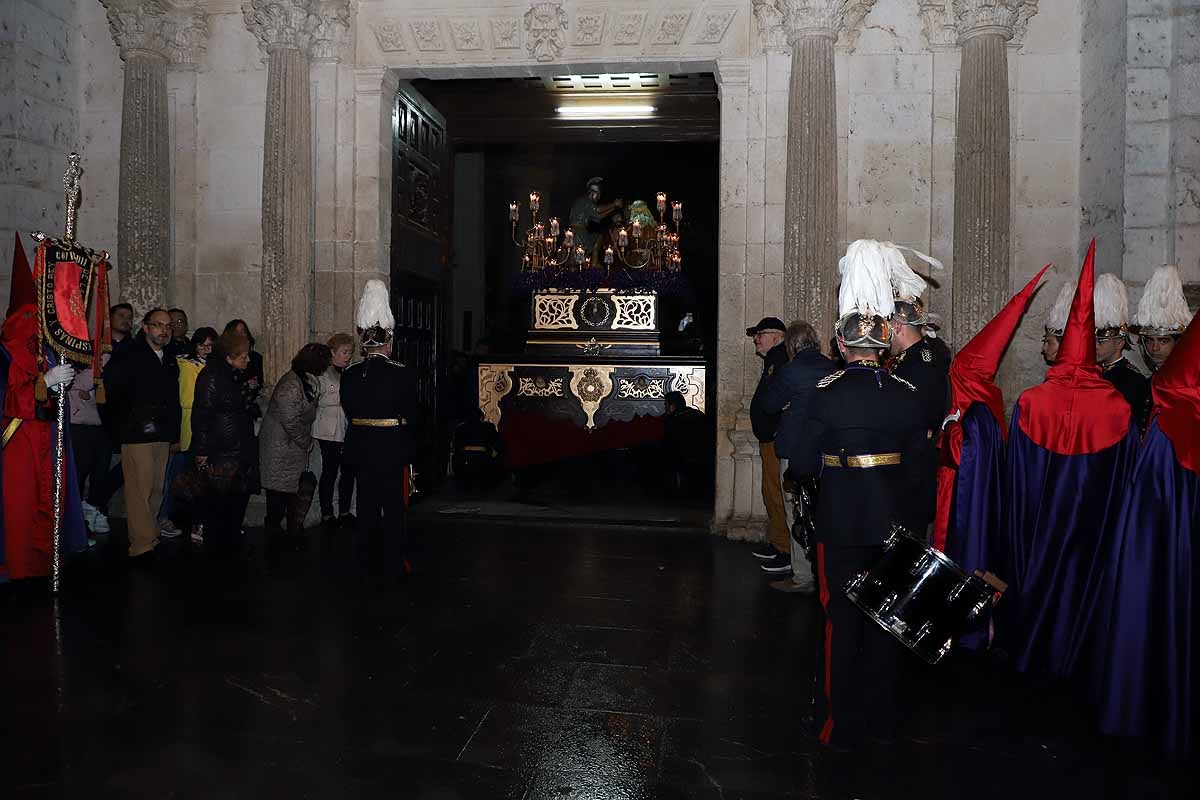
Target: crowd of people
1085 505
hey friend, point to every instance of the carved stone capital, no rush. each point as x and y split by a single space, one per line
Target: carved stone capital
1005 18
839 20
282 24
937 24
546 30
175 31
331 35
772 35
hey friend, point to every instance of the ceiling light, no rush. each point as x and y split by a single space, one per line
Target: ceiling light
612 111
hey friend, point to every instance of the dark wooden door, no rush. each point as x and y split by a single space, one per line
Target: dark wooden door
420 244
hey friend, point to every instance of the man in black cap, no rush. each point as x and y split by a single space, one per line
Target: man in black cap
776 553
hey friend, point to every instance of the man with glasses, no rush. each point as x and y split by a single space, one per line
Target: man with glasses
143 396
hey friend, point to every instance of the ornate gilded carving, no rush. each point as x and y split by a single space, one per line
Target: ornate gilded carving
641 388
554 312
506 33
539 386
689 382
589 29
629 27
591 384
389 34
428 34
545 30
595 312
495 382
634 312
671 26
465 34
713 24
282 23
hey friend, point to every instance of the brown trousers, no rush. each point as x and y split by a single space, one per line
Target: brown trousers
772 495
145 467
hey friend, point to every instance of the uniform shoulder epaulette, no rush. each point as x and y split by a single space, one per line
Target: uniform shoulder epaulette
903 382
828 379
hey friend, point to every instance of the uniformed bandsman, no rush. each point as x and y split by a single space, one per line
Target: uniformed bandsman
379 397
863 425
1162 315
1112 337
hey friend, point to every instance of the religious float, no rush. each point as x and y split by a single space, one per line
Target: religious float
594 374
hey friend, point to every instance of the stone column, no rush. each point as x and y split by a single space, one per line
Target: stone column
146 33
982 214
285 31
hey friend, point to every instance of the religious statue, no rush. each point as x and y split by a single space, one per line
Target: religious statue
588 218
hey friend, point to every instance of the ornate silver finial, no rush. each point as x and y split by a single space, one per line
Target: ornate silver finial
71 186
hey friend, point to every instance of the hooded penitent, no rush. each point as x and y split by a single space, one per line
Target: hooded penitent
1148 684
1070 448
26 459
373 318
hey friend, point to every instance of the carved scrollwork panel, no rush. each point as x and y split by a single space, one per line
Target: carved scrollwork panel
540 387
591 384
689 381
495 382
641 387
554 313
634 312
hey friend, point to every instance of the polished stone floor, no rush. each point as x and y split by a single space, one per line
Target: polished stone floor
519 662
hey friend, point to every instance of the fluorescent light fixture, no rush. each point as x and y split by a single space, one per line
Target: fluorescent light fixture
612 111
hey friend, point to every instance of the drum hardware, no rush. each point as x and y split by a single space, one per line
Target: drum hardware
921 597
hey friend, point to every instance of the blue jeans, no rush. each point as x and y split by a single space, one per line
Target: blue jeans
176 466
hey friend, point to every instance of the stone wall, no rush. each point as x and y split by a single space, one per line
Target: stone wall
40 59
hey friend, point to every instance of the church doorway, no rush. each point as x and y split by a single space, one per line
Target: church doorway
490 142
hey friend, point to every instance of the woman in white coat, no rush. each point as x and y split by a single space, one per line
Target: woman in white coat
329 429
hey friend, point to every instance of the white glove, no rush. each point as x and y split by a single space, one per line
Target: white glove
57 376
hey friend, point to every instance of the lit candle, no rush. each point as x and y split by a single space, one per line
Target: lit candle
513 213
662 232
569 239
622 238
525 263
677 210
637 229
554 226
678 259
549 243
662 202
579 256
538 229
535 201
608 255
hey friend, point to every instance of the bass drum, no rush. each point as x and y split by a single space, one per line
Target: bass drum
920 596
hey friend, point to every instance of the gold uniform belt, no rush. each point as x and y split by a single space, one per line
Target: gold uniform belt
391 422
861 462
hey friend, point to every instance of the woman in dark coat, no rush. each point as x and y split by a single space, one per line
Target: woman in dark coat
251 378
286 435
224 444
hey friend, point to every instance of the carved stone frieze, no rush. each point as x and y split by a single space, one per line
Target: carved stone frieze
589 28
389 34
331 35
545 30
628 27
285 24
428 34
591 384
713 24
1006 18
176 31
495 382
465 34
506 33
671 27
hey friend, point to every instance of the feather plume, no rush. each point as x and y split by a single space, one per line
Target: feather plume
374 307
1163 305
908 284
1111 301
1056 319
866 286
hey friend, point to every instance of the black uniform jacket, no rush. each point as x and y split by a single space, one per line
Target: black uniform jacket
765 424
1133 386
862 410
378 388
926 369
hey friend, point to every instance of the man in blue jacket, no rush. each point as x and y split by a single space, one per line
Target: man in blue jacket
768 344
788 395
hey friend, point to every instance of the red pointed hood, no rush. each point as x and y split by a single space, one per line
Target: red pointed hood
973 370
21 290
1076 411
1176 391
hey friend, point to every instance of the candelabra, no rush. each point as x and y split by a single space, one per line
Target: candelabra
551 245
